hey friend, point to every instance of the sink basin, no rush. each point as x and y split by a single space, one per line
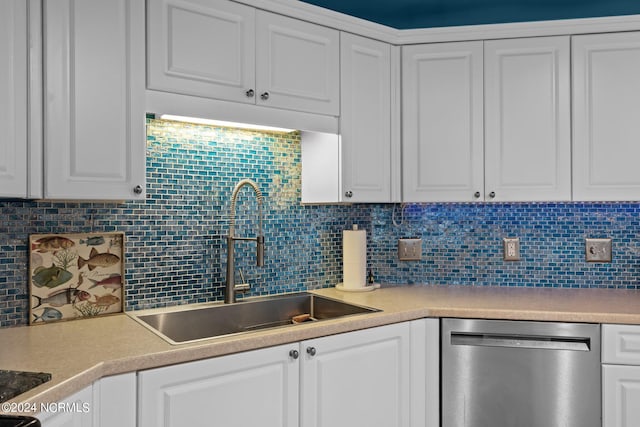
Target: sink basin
199 323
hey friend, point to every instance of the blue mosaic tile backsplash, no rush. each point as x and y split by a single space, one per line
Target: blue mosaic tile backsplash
175 251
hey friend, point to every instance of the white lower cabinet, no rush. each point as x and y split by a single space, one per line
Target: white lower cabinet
352 379
356 379
114 401
255 388
620 375
621 396
109 402
74 411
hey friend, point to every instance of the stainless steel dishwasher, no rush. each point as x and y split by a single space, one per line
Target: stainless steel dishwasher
520 374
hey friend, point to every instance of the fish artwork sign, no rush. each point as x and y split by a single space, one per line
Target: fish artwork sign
74 276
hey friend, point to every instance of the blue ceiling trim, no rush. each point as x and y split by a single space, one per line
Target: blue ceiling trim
407 14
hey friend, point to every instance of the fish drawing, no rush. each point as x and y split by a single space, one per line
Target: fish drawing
113 282
93 241
116 242
62 297
97 259
105 300
48 315
50 277
51 244
36 260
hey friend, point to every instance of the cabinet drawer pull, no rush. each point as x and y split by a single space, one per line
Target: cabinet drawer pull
348 194
311 351
476 194
250 93
264 96
137 189
492 194
294 354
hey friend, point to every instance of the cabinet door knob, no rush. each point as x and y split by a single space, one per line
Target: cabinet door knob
476 194
492 194
264 96
311 351
137 189
348 194
294 354
250 93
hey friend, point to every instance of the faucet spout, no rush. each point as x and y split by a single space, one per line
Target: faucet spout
230 291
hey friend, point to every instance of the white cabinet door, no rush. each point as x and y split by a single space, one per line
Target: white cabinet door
442 157
527 119
365 119
357 379
94 99
425 373
75 411
297 65
256 388
115 401
606 116
13 98
621 396
201 47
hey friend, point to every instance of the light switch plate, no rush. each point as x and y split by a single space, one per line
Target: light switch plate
409 249
598 250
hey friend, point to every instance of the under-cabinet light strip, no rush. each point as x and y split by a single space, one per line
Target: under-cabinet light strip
223 123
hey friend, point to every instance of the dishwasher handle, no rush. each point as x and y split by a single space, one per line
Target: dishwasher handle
521 341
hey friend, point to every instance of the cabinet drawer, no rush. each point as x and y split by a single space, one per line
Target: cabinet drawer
621 344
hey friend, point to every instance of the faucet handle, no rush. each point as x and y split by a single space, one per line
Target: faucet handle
241 287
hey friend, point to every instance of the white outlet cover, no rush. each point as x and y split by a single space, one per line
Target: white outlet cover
511 247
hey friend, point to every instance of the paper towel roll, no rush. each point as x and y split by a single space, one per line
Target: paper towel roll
354 258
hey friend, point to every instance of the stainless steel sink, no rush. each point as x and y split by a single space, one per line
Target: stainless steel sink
181 325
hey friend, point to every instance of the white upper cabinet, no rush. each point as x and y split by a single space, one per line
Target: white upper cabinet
442 122
527 119
606 116
297 65
224 50
13 98
361 165
365 120
487 122
202 48
94 99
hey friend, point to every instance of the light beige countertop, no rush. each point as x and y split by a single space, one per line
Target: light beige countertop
77 353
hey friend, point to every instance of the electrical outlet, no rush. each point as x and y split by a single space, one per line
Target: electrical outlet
598 250
410 249
511 248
